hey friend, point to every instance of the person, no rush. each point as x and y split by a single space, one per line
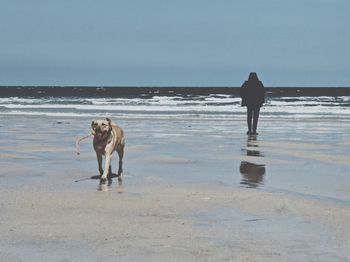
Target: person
252 93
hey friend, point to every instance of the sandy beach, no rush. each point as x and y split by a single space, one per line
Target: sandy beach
194 190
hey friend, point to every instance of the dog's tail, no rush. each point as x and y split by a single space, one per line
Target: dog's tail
77 146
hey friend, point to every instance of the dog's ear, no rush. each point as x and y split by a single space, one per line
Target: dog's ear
93 123
109 121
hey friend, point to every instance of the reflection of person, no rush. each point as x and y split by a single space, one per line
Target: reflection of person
253 97
252 174
252 147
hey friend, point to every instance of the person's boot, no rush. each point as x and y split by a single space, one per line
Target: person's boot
255 125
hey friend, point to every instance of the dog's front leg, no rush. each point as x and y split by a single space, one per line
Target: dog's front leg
107 165
99 162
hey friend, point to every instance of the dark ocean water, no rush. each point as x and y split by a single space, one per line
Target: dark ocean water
67 91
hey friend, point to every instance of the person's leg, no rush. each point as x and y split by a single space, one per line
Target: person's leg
249 119
256 112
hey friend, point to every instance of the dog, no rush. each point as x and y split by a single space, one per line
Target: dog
108 137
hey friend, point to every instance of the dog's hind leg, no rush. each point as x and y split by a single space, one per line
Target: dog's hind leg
120 169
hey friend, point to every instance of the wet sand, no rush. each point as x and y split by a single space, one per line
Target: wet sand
194 190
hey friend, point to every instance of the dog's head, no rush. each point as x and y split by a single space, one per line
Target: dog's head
101 128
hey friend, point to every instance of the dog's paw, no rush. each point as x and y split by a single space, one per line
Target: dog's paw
103 177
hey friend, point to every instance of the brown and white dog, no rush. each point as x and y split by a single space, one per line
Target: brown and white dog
108 137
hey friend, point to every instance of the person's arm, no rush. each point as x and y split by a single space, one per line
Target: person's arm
243 90
262 93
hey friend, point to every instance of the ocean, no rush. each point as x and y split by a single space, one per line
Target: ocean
138 102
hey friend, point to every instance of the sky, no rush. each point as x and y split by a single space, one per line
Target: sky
174 43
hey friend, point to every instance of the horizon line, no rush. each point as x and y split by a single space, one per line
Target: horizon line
156 86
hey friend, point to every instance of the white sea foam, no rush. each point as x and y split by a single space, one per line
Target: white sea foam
174 105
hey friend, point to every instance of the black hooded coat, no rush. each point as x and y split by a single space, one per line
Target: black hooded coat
252 92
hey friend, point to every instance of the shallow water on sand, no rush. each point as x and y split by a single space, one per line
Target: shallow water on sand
308 157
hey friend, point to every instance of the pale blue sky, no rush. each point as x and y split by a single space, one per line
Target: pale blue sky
174 43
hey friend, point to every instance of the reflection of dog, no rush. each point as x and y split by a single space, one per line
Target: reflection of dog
108 137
